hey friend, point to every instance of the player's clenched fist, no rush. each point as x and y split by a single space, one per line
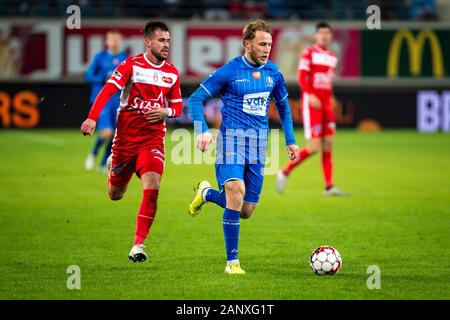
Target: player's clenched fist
203 141
88 127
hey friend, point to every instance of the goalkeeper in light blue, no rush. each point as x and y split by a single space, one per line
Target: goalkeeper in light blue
245 84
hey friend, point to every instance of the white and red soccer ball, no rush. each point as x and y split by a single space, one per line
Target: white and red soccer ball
325 260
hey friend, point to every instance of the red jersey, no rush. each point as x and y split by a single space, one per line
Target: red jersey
316 70
144 86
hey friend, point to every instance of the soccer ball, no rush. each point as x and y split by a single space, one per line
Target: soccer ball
325 260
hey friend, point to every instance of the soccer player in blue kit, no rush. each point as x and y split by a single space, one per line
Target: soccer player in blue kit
245 84
98 72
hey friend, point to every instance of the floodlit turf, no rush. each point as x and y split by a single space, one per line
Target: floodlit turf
54 214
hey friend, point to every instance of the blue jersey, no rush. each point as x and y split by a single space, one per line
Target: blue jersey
101 68
246 90
241 147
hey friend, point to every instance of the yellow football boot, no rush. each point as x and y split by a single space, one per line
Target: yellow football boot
234 268
196 205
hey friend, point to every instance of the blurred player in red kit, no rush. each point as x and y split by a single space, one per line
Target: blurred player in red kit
315 72
150 87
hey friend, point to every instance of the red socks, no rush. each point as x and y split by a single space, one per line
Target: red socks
301 155
146 215
327 167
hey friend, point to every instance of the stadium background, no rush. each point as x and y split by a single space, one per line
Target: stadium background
396 77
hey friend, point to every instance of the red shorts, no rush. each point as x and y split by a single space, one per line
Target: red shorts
318 123
148 159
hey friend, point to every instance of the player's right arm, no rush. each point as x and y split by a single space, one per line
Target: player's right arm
117 81
209 88
304 77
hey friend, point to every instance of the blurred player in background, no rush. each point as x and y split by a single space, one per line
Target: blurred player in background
98 72
147 80
315 72
245 84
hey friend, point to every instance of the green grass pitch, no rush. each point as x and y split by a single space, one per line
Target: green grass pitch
54 214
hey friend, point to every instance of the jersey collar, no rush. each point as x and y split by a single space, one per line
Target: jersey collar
251 65
321 49
151 63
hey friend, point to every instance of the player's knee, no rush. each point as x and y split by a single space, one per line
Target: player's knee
327 145
107 134
314 149
151 180
235 196
314 146
235 200
151 185
115 195
246 213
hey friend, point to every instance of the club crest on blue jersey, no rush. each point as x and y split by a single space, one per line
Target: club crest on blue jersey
269 81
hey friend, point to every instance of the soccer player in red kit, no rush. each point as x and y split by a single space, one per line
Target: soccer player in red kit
315 72
150 87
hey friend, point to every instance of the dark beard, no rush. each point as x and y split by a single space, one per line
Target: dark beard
158 56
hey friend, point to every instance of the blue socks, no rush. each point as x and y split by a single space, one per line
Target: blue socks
98 143
216 197
231 225
106 154
231 222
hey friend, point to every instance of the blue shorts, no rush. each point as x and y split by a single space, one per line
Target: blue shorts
251 174
108 116
241 156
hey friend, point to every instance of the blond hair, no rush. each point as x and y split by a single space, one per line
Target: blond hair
250 29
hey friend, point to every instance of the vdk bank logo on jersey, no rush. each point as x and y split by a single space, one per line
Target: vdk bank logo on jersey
256 103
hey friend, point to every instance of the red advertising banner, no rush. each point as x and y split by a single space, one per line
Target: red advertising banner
48 50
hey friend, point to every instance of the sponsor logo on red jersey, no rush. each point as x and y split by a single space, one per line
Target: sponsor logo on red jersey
167 79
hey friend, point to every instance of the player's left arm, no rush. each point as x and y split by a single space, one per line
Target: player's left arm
280 96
